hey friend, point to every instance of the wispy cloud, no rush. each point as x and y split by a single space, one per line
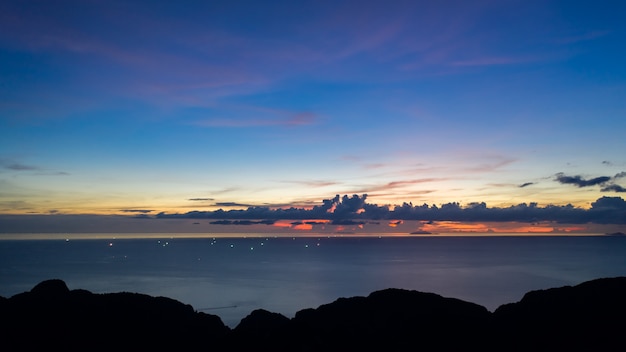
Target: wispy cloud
580 181
224 191
608 183
16 166
53 173
142 211
493 61
277 118
614 188
12 205
314 183
401 184
232 204
21 167
12 165
497 162
592 35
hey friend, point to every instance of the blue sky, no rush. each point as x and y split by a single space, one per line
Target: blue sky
110 106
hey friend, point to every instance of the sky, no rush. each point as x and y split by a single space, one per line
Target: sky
130 115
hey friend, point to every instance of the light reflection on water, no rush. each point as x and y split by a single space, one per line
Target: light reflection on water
230 277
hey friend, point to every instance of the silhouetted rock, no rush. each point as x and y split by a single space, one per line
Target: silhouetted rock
51 316
51 288
261 323
391 320
262 328
589 316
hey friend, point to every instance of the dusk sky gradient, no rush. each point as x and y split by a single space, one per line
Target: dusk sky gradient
155 109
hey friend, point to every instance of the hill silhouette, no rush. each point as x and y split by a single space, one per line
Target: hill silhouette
588 316
50 316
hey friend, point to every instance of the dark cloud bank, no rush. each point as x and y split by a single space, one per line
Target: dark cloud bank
355 209
607 182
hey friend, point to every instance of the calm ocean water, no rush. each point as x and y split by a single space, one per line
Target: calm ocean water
230 277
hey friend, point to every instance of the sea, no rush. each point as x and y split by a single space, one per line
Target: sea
234 275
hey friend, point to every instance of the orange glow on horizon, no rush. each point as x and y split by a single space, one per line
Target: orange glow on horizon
282 224
395 223
505 227
304 225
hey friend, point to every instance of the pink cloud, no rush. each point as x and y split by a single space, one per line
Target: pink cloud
582 37
492 61
316 184
268 117
387 189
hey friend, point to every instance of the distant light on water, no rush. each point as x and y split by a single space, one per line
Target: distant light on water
486 270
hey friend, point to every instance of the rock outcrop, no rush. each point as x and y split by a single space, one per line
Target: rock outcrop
391 320
586 317
50 316
589 316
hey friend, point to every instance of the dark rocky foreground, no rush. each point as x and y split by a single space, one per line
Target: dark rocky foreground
589 316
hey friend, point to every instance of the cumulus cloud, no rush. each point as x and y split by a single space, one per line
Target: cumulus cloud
354 210
351 205
609 203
